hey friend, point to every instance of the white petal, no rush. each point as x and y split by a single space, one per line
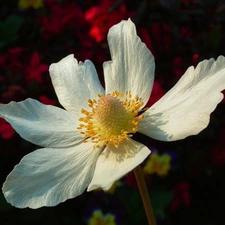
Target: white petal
48 176
114 163
185 109
43 125
75 83
132 66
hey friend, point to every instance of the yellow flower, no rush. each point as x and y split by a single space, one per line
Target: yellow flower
24 4
158 164
98 218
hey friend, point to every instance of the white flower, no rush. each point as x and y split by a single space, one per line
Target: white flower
89 145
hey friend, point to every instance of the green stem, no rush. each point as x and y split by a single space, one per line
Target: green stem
144 195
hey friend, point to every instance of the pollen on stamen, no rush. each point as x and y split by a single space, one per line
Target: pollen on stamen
111 119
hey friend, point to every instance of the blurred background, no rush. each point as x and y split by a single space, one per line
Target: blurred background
185 178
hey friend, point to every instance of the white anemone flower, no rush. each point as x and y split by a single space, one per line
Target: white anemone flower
88 144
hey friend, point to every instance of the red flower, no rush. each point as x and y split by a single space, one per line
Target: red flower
35 69
195 58
3 59
181 195
47 101
130 180
157 93
14 93
223 98
6 130
101 18
156 32
61 17
218 152
12 60
179 66
145 37
85 47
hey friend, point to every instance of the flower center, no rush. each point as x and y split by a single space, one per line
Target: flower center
111 119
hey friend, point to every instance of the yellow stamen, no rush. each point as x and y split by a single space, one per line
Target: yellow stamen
111 118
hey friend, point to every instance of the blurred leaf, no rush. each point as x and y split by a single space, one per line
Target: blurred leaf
69 221
43 216
9 29
171 5
215 36
132 201
115 6
160 199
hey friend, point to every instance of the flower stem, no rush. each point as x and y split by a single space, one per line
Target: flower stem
144 195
